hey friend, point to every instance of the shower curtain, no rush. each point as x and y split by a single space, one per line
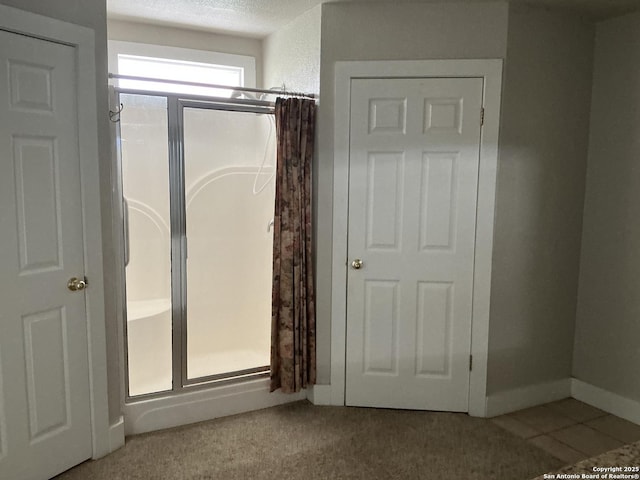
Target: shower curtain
293 322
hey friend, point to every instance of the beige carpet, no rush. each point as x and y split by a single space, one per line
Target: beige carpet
303 441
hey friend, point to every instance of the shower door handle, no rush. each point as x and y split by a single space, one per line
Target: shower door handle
125 219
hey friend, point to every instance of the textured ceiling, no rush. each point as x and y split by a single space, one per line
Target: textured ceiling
254 18
258 18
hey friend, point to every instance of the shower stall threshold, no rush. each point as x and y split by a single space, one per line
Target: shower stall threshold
196 406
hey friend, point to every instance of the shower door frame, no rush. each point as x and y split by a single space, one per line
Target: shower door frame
176 103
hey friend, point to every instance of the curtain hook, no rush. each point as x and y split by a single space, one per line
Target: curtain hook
114 116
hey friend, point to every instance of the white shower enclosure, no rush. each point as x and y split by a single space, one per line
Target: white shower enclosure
198 200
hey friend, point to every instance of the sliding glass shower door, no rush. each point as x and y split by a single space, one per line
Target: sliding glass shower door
198 183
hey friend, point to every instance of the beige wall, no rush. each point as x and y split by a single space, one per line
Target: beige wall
178 37
541 178
539 198
385 31
292 54
92 14
607 329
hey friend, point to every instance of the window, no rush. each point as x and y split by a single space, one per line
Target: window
181 64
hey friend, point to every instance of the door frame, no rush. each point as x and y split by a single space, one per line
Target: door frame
491 72
82 40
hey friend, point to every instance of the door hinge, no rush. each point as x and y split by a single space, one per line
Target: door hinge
482 116
470 362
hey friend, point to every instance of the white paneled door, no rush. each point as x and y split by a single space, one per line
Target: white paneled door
45 424
413 176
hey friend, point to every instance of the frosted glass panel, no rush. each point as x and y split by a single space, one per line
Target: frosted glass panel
229 208
145 179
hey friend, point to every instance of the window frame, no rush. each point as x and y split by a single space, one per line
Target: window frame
247 63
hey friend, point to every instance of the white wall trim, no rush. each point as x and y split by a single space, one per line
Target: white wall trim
82 39
116 435
604 400
539 394
529 396
197 406
491 72
319 394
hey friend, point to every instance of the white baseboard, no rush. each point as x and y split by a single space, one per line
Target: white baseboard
319 394
201 405
116 435
604 400
529 396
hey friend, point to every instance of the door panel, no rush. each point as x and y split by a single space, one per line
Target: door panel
45 424
46 352
414 157
384 210
38 199
437 201
229 204
381 327
433 337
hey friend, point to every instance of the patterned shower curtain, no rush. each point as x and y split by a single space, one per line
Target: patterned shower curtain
293 320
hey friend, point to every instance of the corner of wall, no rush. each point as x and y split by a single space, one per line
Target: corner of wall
536 252
605 351
319 394
292 54
605 400
529 396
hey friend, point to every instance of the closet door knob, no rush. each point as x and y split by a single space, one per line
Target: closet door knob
76 284
356 264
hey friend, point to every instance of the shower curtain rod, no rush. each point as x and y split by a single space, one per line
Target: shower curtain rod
286 93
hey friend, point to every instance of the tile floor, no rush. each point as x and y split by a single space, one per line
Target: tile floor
570 430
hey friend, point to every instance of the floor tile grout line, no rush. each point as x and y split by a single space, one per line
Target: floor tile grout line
585 425
573 447
600 431
548 434
575 422
542 434
607 434
565 444
556 456
624 442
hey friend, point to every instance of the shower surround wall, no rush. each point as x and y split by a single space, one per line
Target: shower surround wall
229 242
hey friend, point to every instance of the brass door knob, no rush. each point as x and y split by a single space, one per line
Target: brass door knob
356 264
76 284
